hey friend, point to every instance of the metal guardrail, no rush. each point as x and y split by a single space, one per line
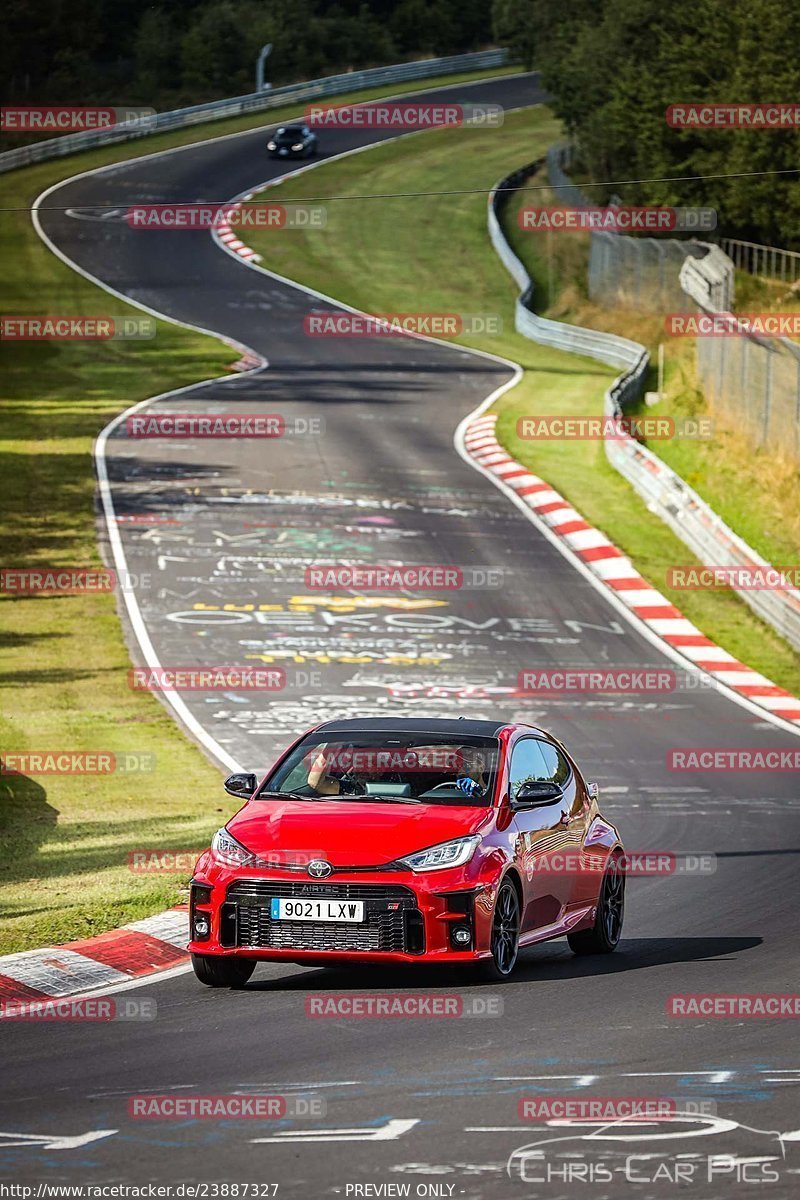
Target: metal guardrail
664 492
606 347
331 85
705 533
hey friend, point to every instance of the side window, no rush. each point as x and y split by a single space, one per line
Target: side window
556 766
527 764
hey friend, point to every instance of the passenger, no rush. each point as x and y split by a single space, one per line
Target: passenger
472 780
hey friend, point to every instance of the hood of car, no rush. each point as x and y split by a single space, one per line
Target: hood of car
349 833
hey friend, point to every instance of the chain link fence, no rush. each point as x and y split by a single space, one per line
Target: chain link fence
634 272
750 382
754 384
641 273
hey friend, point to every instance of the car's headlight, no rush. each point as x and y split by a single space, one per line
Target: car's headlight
297 146
446 854
232 853
270 145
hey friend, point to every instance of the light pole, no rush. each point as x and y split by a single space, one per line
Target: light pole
262 58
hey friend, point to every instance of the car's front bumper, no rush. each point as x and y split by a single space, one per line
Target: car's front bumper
407 918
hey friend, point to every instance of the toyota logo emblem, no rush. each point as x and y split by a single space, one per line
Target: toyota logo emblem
319 869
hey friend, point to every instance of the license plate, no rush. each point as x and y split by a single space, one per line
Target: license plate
316 910
283 150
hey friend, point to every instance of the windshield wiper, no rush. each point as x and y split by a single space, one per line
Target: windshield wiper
286 795
388 799
339 796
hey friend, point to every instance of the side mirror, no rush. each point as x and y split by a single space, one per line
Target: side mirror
241 786
594 791
536 794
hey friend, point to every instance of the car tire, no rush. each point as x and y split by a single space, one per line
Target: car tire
222 972
504 936
604 936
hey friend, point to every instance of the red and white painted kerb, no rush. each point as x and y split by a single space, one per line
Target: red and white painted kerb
231 240
618 574
116 957
249 362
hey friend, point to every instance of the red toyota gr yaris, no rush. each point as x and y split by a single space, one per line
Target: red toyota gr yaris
405 840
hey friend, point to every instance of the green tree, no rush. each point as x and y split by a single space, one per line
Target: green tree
155 55
767 207
514 26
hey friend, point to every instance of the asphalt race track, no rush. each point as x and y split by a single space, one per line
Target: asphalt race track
430 1103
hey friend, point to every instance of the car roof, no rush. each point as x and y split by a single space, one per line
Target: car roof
457 727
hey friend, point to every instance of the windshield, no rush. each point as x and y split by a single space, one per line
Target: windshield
293 131
422 768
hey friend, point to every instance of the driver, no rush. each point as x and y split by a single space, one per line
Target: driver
472 780
327 784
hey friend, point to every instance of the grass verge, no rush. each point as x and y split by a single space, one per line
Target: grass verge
65 840
433 254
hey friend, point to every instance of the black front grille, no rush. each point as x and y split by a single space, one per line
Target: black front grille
391 922
296 889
